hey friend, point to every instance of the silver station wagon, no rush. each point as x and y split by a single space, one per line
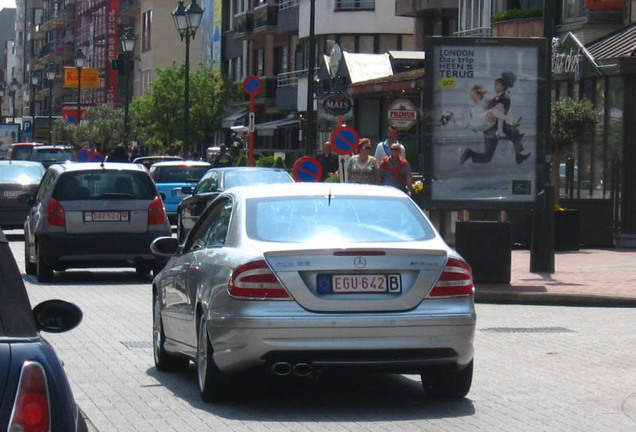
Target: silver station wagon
93 215
314 277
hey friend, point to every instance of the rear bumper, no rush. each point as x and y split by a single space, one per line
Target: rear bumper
96 250
403 342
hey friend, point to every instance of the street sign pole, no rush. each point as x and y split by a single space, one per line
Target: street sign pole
252 85
251 132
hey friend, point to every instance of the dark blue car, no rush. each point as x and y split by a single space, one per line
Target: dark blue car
35 395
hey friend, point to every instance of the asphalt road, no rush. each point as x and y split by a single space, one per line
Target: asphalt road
536 369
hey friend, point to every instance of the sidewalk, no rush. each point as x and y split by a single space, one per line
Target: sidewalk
590 277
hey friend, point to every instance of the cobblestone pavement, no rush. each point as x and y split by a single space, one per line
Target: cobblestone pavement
536 369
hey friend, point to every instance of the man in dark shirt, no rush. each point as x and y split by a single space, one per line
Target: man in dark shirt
223 159
328 160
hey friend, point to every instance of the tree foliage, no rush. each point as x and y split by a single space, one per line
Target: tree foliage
160 113
573 121
101 126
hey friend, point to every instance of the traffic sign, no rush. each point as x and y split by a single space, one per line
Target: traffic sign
83 155
252 85
307 169
344 140
97 157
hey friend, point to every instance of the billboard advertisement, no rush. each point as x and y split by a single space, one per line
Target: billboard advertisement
485 123
9 134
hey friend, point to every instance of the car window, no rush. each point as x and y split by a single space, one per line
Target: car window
341 218
254 177
21 174
208 183
100 184
213 227
45 184
38 154
21 152
179 174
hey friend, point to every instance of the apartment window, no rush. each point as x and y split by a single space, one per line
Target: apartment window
260 62
474 17
572 9
353 5
281 54
145 81
146 31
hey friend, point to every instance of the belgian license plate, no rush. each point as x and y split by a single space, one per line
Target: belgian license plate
11 194
109 216
366 283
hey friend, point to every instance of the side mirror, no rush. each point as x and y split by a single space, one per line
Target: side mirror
26 199
164 247
57 316
187 190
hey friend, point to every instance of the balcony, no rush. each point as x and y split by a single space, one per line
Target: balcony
287 90
243 25
288 17
265 19
355 5
415 8
36 33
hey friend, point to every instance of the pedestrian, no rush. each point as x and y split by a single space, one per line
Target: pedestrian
328 161
118 154
362 168
172 150
395 171
383 149
223 158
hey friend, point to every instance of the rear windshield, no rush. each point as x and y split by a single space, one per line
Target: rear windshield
247 178
52 155
339 219
21 152
87 185
179 174
21 174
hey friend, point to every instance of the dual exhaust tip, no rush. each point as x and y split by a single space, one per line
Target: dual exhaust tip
298 369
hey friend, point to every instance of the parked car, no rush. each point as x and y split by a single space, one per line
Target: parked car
314 277
171 177
149 161
93 215
216 181
51 154
36 395
16 178
21 151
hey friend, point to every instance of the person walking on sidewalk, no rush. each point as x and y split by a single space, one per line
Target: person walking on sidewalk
362 168
383 149
395 171
328 160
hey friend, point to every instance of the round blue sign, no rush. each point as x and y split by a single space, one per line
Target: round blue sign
252 85
344 140
307 169
83 155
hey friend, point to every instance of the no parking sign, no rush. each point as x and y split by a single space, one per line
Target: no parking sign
344 140
307 169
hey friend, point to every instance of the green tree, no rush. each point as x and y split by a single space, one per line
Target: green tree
101 126
573 122
159 114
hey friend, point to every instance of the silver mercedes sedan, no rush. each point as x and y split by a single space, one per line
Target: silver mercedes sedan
306 278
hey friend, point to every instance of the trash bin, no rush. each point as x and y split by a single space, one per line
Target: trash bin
487 248
567 230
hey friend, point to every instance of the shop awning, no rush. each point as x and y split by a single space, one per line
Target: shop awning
621 43
268 128
231 119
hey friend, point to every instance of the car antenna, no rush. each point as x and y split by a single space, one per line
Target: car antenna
329 197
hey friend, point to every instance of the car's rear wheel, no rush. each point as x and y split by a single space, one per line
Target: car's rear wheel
213 384
164 361
29 267
447 381
44 272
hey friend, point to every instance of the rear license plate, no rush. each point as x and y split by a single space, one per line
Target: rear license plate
112 216
11 194
366 283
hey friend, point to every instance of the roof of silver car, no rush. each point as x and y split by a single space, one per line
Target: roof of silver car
181 163
310 189
19 162
84 166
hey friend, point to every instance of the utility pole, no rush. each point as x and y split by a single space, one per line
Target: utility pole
310 133
542 242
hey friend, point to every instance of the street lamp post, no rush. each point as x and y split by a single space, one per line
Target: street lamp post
127 41
35 80
13 89
79 64
50 76
187 20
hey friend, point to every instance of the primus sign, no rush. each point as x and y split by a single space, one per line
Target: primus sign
337 104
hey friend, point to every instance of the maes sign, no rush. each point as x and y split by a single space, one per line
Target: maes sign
337 104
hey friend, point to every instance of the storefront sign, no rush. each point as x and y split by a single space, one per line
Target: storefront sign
485 122
402 114
570 58
337 104
112 50
89 77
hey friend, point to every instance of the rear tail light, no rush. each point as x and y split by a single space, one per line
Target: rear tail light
456 280
31 409
156 213
55 213
255 280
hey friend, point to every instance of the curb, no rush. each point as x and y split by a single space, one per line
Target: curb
552 299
